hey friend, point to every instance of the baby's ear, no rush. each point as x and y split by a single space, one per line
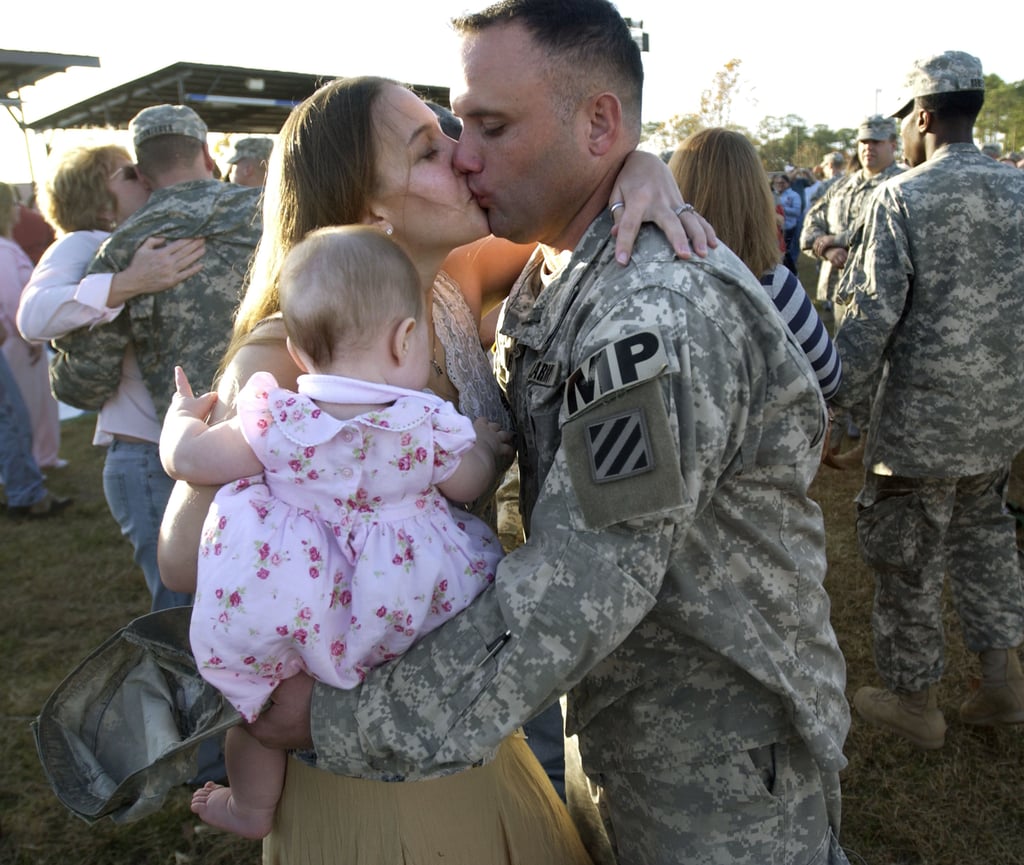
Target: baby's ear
400 341
299 356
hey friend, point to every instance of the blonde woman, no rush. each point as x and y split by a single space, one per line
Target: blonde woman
91 190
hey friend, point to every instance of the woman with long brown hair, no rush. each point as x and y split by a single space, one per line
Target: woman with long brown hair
720 174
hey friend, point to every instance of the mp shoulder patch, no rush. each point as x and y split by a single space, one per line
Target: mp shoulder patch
622 364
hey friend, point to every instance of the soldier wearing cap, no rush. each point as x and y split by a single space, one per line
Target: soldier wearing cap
833 165
941 321
189 324
830 223
247 164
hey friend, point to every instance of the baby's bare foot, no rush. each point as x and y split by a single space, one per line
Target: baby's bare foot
217 806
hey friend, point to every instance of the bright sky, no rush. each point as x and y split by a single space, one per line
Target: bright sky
812 60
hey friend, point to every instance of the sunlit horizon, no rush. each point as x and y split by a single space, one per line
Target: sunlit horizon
808 65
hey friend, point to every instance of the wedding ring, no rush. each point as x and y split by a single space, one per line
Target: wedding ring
615 206
683 208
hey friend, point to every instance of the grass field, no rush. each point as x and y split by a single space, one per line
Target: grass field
70 582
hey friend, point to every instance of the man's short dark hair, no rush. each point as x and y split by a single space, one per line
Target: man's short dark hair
162 152
584 34
963 103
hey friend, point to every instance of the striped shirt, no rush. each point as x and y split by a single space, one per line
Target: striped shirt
802 319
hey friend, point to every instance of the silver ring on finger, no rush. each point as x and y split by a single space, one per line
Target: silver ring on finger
683 208
615 205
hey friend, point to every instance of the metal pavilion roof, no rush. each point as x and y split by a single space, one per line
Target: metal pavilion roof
228 98
24 68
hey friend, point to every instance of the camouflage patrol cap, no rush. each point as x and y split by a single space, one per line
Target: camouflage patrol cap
835 158
251 148
166 120
876 128
949 72
125 725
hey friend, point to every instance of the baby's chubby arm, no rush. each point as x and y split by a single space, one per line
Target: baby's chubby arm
479 464
192 451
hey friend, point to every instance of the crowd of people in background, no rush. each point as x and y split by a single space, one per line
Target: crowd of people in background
667 421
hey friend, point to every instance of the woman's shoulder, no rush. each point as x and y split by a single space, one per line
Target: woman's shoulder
448 291
263 350
781 283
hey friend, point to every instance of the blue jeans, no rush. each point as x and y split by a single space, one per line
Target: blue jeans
23 482
545 734
137 490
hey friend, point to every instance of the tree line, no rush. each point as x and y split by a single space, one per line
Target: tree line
789 140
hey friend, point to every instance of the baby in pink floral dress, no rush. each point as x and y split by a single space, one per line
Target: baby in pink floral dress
331 548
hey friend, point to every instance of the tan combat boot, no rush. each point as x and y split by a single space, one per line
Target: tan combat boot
999 697
915 717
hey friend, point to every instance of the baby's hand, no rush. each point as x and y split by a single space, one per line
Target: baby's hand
497 440
185 403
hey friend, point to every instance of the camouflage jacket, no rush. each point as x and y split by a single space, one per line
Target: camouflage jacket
938 308
836 212
188 325
669 425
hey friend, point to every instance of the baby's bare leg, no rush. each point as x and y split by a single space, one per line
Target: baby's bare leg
256 774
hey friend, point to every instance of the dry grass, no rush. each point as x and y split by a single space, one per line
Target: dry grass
902 806
69 583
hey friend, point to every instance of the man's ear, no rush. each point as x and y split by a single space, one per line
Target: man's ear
605 123
299 356
207 159
144 178
924 120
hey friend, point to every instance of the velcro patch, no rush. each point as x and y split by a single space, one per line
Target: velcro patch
623 459
619 446
542 373
623 364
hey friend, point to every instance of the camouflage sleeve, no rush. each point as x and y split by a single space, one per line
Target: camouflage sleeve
878 279
598 552
815 222
115 253
85 370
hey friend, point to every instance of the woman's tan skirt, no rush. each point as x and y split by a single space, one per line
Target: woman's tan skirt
504 813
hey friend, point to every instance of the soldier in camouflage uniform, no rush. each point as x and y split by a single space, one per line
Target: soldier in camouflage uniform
942 320
247 164
190 325
669 426
830 223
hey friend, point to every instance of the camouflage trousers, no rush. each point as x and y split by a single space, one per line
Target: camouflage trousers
911 532
768 805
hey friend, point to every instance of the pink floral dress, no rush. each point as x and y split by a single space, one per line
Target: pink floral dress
343 552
